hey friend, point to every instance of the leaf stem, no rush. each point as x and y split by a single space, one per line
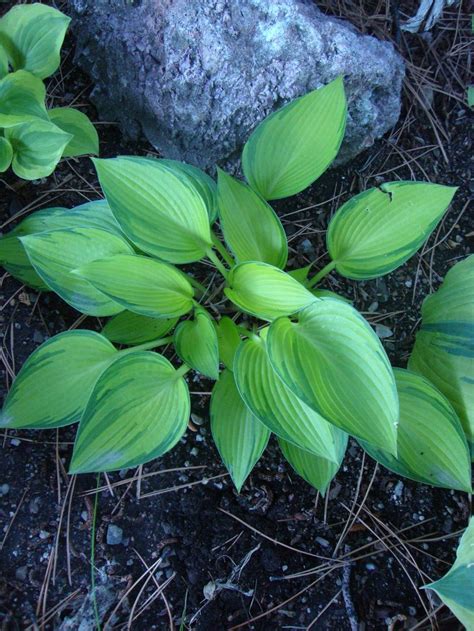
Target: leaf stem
162 341
196 284
93 568
214 258
182 370
222 250
321 274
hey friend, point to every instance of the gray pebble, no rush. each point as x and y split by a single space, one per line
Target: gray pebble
114 535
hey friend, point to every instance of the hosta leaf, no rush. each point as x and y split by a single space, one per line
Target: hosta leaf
275 405
251 227
203 183
55 254
457 586
84 135
158 210
132 328
228 338
301 274
54 384
444 347
3 62
326 293
375 232
334 362
6 154
316 470
295 145
138 410
266 291
140 284
37 148
239 436
431 444
196 343
22 98
32 35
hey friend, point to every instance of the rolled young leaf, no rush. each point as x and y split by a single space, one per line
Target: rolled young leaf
138 410
378 230
131 328
54 384
32 35
84 135
251 227
276 406
6 154
140 284
22 97
196 343
159 211
335 363
317 471
239 436
431 444
457 586
291 148
266 291
444 347
228 338
57 253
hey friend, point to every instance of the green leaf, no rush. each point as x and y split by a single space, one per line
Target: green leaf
204 184
294 146
196 343
251 227
275 405
3 62
84 135
55 254
54 384
158 210
138 410
378 230
457 586
266 291
326 293
431 444
6 154
140 284
444 347
22 98
239 436
334 362
228 338
37 148
32 35
301 274
317 471
132 328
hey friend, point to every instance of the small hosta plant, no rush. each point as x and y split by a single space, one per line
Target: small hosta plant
33 138
288 356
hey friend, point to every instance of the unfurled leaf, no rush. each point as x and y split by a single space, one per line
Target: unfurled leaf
22 98
276 406
301 274
132 328
196 343
444 347
140 284
138 410
316 470
431 444
291 148
375 232
55 255
84 135
334 362
3 62
266 291
32 35
251 227
159 211
6 154
37 148
457 586
54 384
239 436
228 338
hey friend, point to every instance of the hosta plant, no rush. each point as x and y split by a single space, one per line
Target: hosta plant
33 138
288 356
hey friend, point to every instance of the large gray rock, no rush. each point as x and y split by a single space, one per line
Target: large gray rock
196 76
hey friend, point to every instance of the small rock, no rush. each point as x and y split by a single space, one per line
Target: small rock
323 542
114 535
44 534
15 442
34 505
4 489
21 573
209 590
38 337
307 247
383 331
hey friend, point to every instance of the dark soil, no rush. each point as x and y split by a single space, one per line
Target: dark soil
196 533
